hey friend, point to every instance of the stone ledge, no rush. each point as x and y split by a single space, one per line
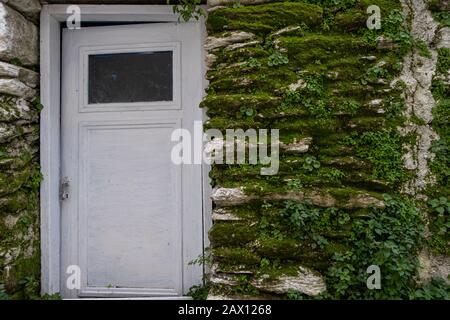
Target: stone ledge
235 37
29 77
306 281
300 146
15 87
224 197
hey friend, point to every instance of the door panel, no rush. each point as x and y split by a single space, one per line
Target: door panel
133 219
131 193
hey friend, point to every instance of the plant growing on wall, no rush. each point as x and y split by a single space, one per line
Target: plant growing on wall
188 9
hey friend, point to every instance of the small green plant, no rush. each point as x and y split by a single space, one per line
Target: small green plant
319 110
314 85
294 184
244 286
383 149
351 107
35 180
373 74
55 296
440 206
266 205
311 163
264 263
439 224
443 17
436 289
334 175
294 295
202 259
188 9
253 63
277 59
245 112
30 288
3 294
299 214
291 99
423 48
36 104
199 292
237 4
443 63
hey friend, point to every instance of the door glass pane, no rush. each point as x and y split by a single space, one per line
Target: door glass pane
130 77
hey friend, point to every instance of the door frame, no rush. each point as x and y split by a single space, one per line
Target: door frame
52 16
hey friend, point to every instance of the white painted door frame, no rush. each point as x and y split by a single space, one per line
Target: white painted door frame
50 131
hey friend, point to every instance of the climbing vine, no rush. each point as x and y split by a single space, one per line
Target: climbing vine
188 9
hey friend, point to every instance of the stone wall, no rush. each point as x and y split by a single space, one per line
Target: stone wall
363 119
363 176
19 148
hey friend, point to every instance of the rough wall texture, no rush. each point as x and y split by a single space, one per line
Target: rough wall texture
19 141
363 179
363 176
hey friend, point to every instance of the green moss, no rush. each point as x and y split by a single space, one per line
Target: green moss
231 234
389 238
19 202
263 19
346 104
236 256
443 64
383 149
440 10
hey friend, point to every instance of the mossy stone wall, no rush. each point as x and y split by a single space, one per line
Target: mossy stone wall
346 196
363 177
19 150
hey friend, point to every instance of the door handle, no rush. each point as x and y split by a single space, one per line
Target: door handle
64 189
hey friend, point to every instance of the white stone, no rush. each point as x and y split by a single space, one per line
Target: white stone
375 102
16 88
6 133
306 282
417 74
29 77
229 196
285 30
369 58
418 156
223 279
221 214
432 266
10 221
29 8
210 59
301 146
235 37
299 84
217 297
241 45
444 38
18 37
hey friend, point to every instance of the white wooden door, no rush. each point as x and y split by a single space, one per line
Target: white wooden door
131 219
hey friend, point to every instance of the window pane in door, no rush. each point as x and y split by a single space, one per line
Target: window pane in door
130 77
